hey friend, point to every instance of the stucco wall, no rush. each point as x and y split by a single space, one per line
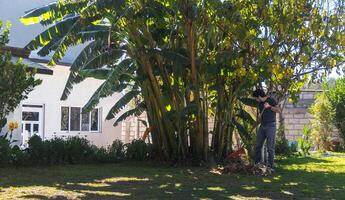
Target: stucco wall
49 93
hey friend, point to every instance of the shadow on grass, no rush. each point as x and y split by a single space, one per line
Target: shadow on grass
124 181
42 197
303 160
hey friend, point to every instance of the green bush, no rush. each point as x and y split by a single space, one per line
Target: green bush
5 152
138 150
36 150
79 150
117 151
18 157
304 142
102 155
282 147
321 122
55 151
11 154
73 150
336 95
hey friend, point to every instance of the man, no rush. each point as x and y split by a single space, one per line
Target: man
268 108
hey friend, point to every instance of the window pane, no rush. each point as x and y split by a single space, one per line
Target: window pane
85 121
35 128
28 127
94 120
64 118
30 116
75 119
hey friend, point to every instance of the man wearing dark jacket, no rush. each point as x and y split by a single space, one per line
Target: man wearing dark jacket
268 108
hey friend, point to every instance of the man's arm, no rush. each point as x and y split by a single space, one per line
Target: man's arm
275 109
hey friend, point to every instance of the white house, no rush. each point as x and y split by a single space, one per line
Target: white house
43 113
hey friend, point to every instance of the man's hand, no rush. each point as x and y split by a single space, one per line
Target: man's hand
267 105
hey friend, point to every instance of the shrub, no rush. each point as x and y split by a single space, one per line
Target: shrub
138 150
11 154
321 122
284 148
5 152
18 157
73 150
55 151
101 155
336 95
36 150
79 150
117 151
304 142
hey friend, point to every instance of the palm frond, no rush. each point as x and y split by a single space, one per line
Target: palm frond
110 85
242 131
245 116
52 12
136 112
121 103
91 50
101 74
249 102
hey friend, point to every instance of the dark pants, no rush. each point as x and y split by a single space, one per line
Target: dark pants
266 131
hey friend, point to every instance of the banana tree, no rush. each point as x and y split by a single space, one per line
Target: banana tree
184 61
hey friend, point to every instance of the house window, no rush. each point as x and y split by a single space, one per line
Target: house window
30 116
85 122
64 118
73 120
94 120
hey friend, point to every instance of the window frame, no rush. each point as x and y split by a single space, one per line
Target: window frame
80 121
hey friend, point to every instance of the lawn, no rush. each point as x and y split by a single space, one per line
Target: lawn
320 177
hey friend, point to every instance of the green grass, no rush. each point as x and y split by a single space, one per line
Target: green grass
296 178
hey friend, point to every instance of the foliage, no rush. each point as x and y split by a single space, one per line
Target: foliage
18 157
187 60
282 144
55 151
79 150
5 149
138 150
117 151
10 154
321 123
282 147
337 146
336 96
15 80
36 150
73 150
305 143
